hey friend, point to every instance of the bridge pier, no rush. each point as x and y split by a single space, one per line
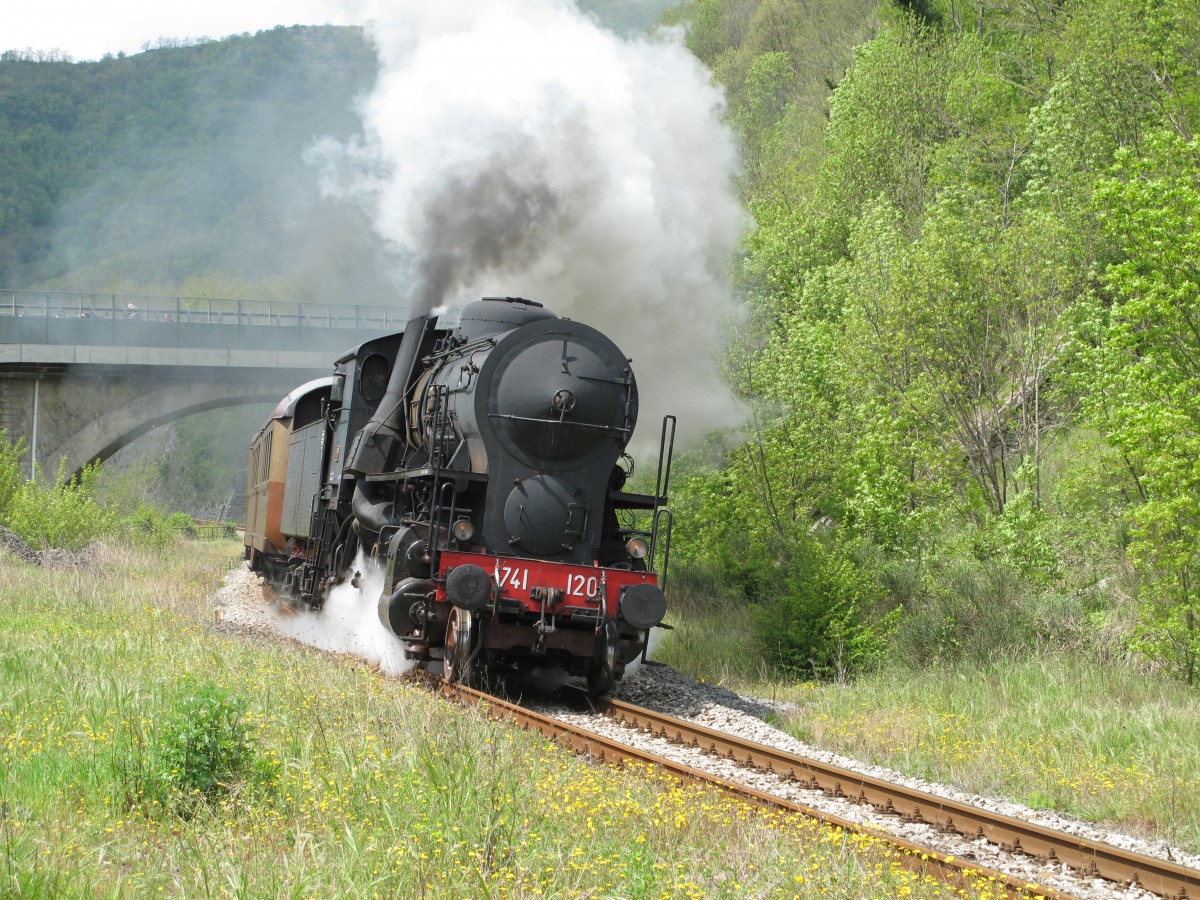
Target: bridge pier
18 407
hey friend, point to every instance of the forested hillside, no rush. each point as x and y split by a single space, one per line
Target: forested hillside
185 162
972 349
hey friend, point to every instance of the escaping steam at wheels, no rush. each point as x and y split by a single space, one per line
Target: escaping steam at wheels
483 469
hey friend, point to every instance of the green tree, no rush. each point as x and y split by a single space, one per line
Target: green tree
1142 354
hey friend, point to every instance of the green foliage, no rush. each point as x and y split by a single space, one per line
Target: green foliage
202 749
971 346
183 524
886 120
62 514
729 552
71 513
1142 354
969 611
147 525
1018 536
778 61
827 619
1091 490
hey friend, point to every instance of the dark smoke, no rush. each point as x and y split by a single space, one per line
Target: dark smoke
500 217
516 148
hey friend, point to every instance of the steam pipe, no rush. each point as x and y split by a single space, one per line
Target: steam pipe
375 446
371 509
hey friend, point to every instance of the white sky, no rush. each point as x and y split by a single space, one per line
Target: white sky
87 29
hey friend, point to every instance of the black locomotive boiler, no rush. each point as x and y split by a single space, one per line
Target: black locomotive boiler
483 468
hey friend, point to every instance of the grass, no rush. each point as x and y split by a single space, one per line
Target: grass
1104 743
1063 731
337 781
711 636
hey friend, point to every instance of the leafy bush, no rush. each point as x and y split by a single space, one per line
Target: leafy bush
63 514
1018 536
970 610
148 525
1168 630
182 524
204 748
826 621
69 513
145 521
10 469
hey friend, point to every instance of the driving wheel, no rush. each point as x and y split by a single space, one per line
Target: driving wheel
602 671
460 643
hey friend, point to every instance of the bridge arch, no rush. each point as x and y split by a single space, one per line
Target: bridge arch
104 435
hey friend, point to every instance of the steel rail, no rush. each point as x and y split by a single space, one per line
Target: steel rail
949 869
1088 857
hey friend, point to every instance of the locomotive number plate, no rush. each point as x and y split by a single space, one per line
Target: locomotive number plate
513 578
517 579
581 586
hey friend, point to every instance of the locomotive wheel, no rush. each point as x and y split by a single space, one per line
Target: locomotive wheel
457 666
600 675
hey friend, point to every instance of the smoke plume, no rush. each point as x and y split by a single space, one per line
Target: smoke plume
516 148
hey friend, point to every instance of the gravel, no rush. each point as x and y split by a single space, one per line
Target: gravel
243 605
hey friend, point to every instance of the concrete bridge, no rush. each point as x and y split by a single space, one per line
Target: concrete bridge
82 375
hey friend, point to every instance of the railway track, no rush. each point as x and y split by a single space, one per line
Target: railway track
1088 858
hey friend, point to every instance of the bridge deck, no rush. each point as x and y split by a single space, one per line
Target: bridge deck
81 375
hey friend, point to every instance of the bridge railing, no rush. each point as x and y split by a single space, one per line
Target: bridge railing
201 310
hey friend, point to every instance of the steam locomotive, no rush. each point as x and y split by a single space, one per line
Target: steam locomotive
483 467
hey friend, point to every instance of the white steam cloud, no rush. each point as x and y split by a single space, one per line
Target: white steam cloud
348 622
515 147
